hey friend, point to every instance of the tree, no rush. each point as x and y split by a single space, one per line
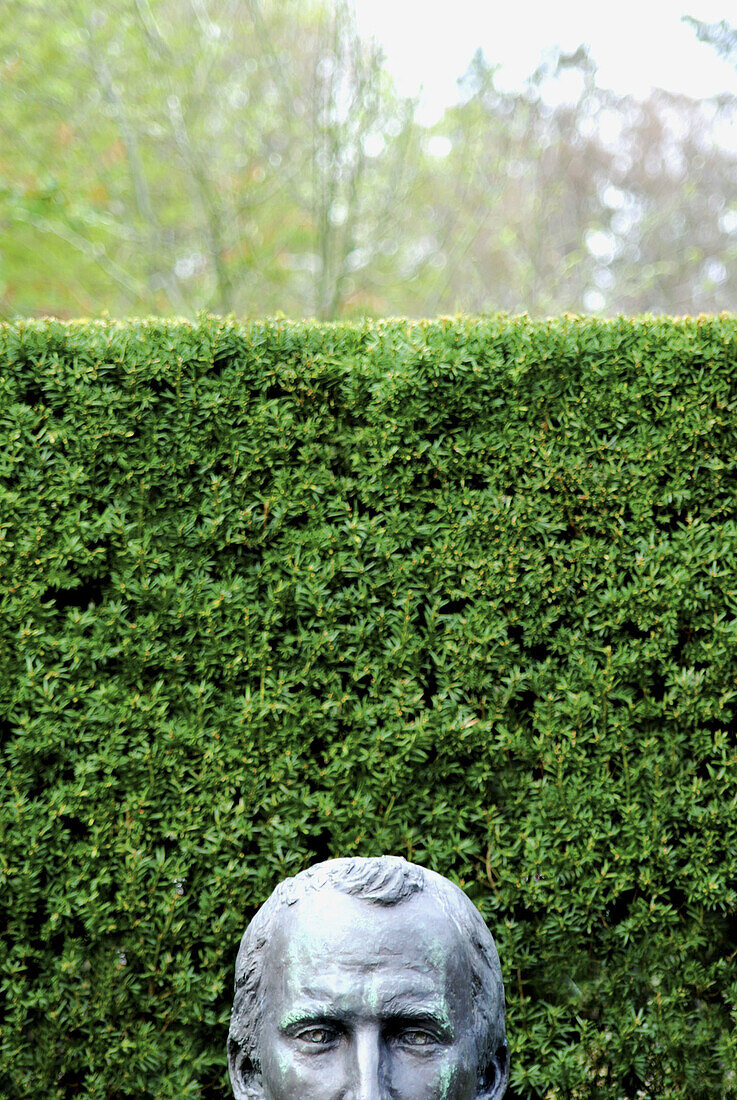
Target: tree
672 214
722 36
353 141
595 203
252 156
217 160
511 198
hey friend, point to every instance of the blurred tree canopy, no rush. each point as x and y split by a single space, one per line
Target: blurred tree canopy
253 156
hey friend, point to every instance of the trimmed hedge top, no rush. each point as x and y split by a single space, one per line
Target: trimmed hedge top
462 590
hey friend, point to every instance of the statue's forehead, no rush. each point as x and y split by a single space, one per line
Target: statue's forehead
354 957
329 915
328 930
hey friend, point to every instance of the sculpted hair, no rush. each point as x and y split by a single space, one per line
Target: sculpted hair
380 880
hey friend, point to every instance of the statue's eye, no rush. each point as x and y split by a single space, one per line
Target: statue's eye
413 1037
317 1035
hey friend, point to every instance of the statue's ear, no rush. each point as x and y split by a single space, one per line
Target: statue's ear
245 1079
495 1077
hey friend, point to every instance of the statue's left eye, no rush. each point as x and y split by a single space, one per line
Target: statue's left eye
416 1038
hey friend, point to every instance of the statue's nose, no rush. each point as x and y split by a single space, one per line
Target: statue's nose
367 1069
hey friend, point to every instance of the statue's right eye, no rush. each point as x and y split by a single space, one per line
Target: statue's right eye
319 1036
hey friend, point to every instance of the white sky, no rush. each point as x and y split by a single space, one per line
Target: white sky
635 43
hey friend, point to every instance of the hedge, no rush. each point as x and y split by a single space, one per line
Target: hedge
461 590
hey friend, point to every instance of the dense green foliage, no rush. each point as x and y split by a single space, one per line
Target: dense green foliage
462 590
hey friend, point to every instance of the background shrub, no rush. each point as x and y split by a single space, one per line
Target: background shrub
462 590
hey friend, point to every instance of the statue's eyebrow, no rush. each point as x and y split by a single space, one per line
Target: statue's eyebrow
413 1015
308 1014
401 1013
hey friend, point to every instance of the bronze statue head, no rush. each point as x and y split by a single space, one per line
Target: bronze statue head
368 979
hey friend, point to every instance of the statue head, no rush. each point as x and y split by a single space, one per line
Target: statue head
368 979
